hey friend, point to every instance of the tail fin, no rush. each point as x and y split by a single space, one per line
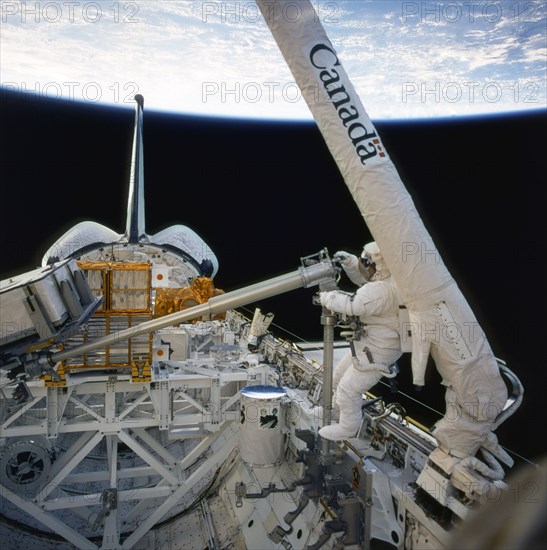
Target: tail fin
135 229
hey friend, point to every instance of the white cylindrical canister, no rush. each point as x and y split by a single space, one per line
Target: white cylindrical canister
261 430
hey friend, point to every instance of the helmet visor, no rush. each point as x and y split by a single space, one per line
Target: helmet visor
365 260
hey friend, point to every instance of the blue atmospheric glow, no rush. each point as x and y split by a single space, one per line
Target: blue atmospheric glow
407 60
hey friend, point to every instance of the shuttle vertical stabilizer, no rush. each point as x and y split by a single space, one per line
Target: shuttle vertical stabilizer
135 226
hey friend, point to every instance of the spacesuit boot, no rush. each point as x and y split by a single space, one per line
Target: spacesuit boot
346 428
350 417
349 397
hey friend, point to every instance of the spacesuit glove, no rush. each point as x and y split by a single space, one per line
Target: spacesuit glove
324 297
342 257
335 300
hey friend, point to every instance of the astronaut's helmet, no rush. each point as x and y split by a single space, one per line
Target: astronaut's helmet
373 265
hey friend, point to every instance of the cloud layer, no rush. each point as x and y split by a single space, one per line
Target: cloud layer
406 59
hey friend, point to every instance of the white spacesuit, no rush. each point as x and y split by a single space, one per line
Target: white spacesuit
376 303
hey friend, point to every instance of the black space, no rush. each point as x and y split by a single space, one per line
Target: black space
263 194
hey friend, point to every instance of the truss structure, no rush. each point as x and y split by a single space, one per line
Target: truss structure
105 454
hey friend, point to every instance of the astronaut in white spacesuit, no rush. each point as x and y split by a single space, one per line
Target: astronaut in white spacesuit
376 303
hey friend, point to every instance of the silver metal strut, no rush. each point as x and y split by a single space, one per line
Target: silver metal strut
304 277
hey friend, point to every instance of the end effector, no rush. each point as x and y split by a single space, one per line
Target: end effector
331 272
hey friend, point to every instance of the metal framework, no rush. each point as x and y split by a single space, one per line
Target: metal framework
120 454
